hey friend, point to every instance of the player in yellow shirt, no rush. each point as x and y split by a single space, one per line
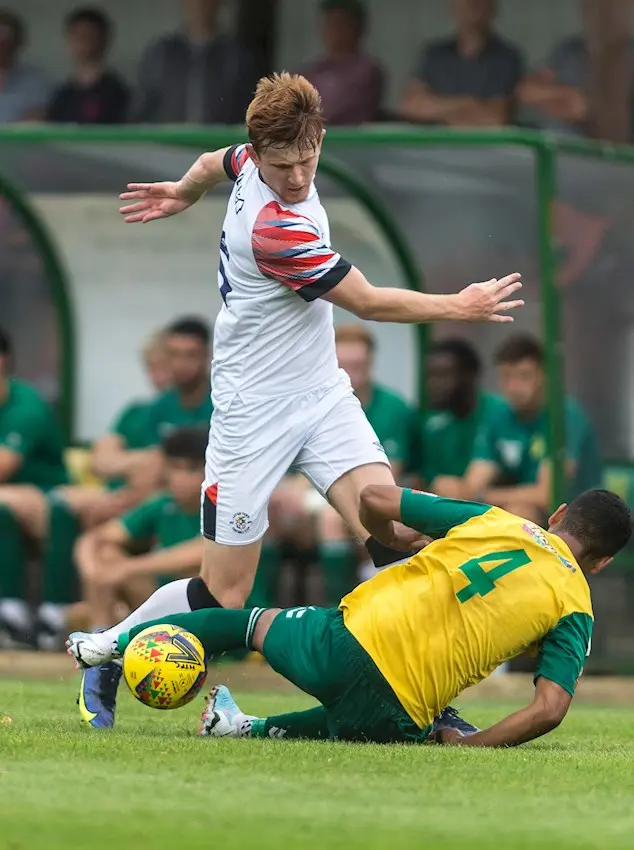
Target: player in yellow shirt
404 644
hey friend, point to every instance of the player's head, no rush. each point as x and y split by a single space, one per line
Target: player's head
355 348
157 362
184 453
88 32
342 25
286 127
596 525
520 367
188 346
474 14
12 37
453 370
6 353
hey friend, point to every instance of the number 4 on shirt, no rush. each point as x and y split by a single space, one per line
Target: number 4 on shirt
481 581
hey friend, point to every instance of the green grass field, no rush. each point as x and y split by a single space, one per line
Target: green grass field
153 784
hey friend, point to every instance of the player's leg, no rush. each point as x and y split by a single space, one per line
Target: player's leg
222 718
341 457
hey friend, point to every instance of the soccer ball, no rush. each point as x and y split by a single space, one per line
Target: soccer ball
165 666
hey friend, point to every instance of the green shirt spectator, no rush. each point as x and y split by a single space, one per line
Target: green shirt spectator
519 446
448 440
511 467
161 522
133 427
169 413
29 429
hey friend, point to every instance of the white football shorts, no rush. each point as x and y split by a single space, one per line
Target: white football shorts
322 434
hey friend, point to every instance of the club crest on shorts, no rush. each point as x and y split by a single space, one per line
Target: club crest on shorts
241 522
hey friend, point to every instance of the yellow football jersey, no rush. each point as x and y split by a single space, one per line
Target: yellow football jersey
494 585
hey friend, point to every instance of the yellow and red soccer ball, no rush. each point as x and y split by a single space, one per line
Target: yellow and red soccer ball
165 666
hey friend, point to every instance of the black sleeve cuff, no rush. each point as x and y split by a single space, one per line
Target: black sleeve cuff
320 287
227 163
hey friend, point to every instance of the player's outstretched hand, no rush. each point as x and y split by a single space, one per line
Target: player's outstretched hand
487 302
152 201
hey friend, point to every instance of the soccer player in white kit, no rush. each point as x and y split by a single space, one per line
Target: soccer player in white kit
279 398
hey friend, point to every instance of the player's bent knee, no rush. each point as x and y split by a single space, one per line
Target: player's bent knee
263 626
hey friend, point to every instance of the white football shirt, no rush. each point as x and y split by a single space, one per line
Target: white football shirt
274 336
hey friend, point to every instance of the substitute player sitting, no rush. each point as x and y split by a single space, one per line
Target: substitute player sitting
279 397
402 645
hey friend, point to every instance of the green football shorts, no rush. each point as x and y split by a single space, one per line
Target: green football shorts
312 648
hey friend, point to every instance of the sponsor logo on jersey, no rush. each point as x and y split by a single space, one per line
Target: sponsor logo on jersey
241 522
378 445
539 536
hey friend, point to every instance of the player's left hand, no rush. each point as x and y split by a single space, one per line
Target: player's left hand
446 736
408 539
486 302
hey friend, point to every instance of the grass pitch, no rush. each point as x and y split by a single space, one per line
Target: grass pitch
152 784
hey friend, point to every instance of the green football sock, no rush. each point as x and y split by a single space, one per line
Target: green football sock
218 629
13 558
264 590
301 724
338 563
58 582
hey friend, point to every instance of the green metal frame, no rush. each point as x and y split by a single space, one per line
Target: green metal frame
545 147
57 278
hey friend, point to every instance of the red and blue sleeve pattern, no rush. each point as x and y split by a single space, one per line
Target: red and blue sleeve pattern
289 248
234 160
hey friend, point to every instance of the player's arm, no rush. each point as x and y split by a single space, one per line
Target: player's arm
563 654
290 248
545 713
153 201
383 505
477 302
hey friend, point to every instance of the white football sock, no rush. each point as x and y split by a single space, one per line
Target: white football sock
169 599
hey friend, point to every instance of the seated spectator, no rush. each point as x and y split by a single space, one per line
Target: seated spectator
349 81
468 80
24 90
555 97
186 405
458 408
199 76
31 464
167 524
396 426
511 468
93 94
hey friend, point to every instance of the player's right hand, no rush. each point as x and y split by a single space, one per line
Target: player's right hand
153 201
486 302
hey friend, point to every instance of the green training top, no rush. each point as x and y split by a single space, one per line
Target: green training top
518 446
133 426
29 427
168 413
161 522
448 440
